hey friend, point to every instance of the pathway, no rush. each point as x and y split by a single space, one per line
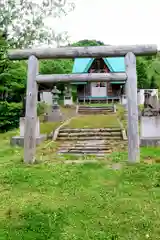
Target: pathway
92 135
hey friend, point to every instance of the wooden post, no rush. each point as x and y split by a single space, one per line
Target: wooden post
31 111
131 88
83 77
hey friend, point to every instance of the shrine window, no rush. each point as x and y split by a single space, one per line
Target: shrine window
101 84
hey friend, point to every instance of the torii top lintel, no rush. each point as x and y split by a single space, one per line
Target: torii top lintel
83 52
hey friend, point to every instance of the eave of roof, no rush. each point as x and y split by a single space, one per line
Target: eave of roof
82 65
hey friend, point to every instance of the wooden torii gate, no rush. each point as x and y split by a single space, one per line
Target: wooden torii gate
34 78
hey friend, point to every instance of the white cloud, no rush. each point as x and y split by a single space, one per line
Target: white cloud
113 22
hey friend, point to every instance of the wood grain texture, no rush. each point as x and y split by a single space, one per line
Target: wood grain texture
85 77
31 111
131 88
82 52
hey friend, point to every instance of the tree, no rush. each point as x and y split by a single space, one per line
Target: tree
23 21
153 83
21 25
12 75
58 66
143 81
4 65
87 43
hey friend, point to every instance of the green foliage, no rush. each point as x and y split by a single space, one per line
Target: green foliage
9 115
42 108
56 66
143 81
153 69
74 93
12 76
23 22
59 66
87 43
153 83
21 25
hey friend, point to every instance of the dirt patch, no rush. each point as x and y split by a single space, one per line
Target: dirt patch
150 160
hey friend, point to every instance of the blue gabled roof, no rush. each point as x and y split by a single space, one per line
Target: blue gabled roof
115 64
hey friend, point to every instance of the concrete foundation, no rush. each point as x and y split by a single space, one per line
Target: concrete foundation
150 127
68 101
152 142
22 125
123 100
19 141
54 116
150 131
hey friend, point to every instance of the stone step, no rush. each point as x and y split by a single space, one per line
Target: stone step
97 107
104 147
98 155
75 130
93 148
93 113
82 144
80 134
84 152
89 138
95 110
97 146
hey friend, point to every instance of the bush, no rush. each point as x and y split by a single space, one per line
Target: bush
74 93
141 107
9 115
42 108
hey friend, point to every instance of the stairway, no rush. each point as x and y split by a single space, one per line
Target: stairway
90 141
83 109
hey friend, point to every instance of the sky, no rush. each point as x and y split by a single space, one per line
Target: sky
115 22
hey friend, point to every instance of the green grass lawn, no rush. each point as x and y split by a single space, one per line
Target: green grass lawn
94 121
55 201
92 201
48 127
